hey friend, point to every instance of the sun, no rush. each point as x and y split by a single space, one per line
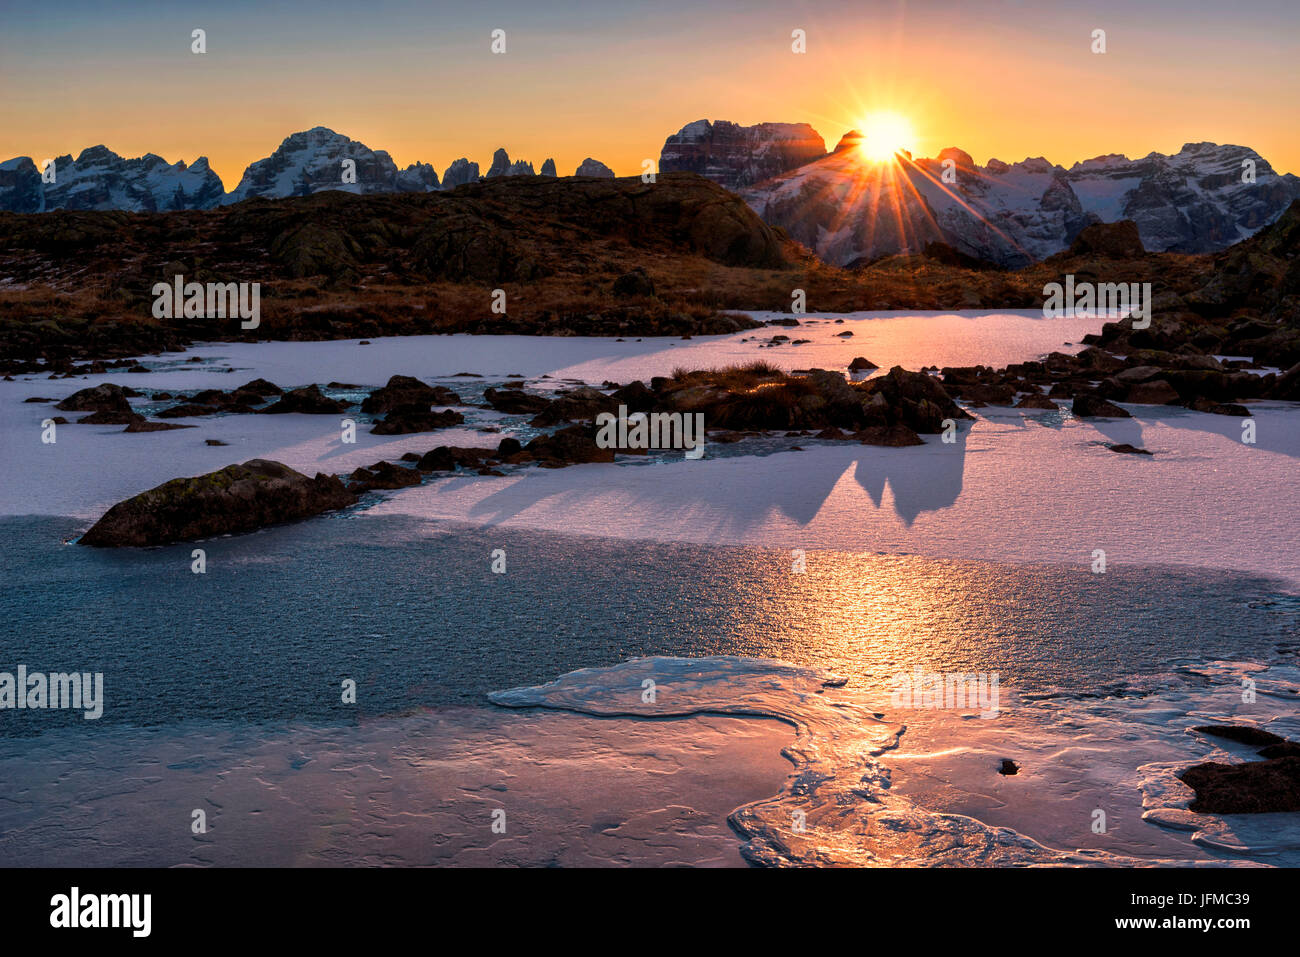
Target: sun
883 135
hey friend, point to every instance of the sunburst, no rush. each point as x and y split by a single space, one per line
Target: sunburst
884 135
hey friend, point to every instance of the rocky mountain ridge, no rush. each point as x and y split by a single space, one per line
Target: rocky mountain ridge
305 163
848 210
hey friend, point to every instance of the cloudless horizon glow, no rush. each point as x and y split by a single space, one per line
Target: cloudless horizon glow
996 78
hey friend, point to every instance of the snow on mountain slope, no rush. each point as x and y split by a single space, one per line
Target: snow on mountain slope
847 209
100 179
317 159
304 163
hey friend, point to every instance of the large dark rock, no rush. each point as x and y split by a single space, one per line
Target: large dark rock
100 398
635 282
260 387
914 399
1252 787
405 390
574 405
515 401
382 475
1036 400
406 419
1154 392
110 418
188 409
1090 406
445 458
569 446
238 498
635 396
142 424
894 436
1242 734
309 399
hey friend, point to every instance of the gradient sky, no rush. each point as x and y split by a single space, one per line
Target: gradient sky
1004 78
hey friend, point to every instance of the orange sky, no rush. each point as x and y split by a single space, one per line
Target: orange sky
996 78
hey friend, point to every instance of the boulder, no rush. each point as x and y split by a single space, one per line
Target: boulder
986 393
635 396
406 419
1036 400
100 398
573 405
309 399
440 459
382 475
894 436
1242 734
188 409
515 401
237 498
1092 406
1202 404
569 446
633 283
404 390
110 418
445 458
915 399
1155 392
260 387
1135 374
144 425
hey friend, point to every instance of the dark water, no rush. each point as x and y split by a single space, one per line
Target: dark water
413 613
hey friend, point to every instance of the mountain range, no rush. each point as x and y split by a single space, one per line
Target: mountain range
845 209
850 211
305 163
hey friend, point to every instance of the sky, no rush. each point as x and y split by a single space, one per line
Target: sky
611 80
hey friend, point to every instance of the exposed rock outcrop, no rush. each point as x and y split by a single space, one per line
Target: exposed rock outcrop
591 167
738 156
238 498
405 390
459 173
